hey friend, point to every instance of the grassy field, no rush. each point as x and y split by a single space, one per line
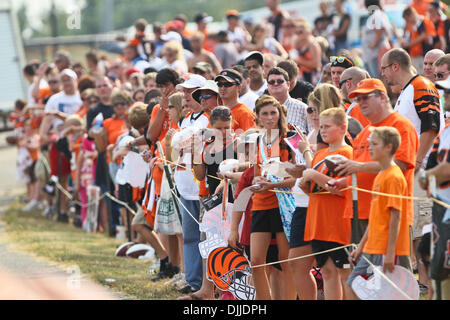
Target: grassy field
66 246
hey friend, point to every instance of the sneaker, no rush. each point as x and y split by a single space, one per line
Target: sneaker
32 205
423 288
166 270
62 217
177 280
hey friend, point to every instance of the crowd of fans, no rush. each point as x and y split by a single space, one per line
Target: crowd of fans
380 111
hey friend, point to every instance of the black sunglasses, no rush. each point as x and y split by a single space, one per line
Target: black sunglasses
272 82
343 81
122 103
311 110
205 96
440 75
225 84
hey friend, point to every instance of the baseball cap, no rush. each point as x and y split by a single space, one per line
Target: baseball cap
130 71
229 75
171 36
191 81
255 55
367 86
203 17
232 13
443 84
209 85
70 73
341 61
203 67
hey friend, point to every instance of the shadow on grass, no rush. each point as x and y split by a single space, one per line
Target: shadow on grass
68 246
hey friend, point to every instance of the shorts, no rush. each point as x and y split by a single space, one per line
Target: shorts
266 221
339 257
440 257
363 268
272 255
422 210
139 218
64 168
358 228
298 228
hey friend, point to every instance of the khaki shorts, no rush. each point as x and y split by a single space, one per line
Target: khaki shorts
139 218
422 210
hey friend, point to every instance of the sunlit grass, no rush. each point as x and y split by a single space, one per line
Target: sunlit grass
66 246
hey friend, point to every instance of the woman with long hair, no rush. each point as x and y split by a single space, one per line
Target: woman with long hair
173 57
271 211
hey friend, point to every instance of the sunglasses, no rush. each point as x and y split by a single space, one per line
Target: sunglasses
52 81
225 84
365 97
120 104
440 75
339 59
343 81
272 82
311 110
205 96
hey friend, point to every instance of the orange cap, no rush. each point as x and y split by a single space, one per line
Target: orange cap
367 86
232 13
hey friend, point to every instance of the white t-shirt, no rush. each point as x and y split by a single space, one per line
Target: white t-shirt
184 177
249 99
261 90
30 100
443 149
408 105
62 102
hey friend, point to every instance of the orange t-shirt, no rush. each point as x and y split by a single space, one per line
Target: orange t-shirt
357 114
243 118
114 128
268 199
406 152
389 181
166 122
157 172
419 49
325 218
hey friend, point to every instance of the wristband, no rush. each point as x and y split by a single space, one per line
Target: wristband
305 152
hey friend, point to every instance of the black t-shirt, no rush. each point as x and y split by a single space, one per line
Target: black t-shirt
343 38
101 169
302 90
106 110
277 21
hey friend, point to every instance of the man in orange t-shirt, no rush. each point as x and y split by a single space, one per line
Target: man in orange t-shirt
348 82
371 94
418 36
387 235
229 82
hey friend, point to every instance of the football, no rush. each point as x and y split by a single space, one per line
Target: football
12 139
137 250
122 249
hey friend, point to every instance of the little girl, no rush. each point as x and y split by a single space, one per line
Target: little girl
85 175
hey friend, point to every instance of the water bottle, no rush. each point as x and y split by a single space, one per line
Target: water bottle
98 120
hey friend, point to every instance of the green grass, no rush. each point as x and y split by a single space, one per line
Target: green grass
64 245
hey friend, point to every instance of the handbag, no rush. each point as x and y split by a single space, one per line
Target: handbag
166 221
286 200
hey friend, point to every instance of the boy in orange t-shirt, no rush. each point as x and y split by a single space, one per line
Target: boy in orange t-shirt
326 226
387 235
